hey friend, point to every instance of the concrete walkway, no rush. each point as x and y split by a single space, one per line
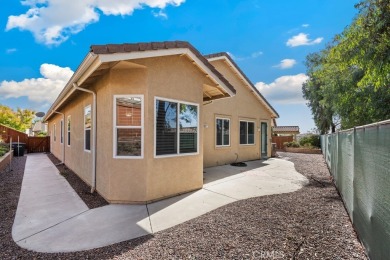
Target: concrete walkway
51 217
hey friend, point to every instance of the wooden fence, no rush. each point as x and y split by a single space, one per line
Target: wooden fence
33 144
38 144
6 133
279 140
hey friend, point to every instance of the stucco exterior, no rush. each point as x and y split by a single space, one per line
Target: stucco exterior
178 78
244 106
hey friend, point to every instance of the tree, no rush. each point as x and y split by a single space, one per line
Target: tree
349 81
20 119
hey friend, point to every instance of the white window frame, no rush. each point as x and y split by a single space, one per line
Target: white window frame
54 135
254 132
68 131
90 129
62 131
178 128
115 127
215 135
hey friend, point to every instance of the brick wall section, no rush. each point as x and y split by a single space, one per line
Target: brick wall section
128 116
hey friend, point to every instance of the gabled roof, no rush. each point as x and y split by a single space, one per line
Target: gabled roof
224 55
285 129
103 57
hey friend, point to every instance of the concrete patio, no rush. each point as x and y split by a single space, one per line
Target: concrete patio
51 217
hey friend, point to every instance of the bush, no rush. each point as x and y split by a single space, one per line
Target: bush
4 148
310 141
291 144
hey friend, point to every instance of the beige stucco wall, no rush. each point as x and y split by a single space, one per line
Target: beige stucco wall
75 158
121 180
243 106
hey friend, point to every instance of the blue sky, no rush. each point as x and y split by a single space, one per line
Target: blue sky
44 41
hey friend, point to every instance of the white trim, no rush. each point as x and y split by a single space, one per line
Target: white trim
177 127
62 132
254 131
215 132
68 130
262 99
114 127
68 89
90 129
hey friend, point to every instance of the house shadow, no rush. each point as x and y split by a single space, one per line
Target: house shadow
219 173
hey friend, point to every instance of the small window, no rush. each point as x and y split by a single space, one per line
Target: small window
128 126
87 128
247 132
62 132
176 128
222 126
54 130
68 130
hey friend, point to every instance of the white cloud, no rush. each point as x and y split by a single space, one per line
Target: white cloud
52 25
40 90
286 64
302 39
305 25
11 50
284 90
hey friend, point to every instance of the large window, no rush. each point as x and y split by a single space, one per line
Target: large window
87 128
247 132
62 132
128 114
222 126
68 130
176 127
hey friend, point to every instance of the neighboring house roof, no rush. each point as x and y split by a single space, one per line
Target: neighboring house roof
224 55
103 57
39 126
285 129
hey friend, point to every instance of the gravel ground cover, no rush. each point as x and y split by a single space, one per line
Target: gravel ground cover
93 200
308 224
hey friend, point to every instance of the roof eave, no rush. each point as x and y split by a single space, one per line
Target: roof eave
227 58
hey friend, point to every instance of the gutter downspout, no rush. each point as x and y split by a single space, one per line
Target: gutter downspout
75 86
63 136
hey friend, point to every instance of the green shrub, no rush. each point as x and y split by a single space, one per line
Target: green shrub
310 141
4 148
291 144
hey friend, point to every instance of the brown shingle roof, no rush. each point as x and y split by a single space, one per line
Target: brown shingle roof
221 54
281 129
147 46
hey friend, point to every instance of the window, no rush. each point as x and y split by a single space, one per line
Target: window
176 126
247 132
68 130
87 128
62 132
54 130
222 132
128 126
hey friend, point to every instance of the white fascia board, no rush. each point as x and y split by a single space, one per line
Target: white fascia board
244 79
164 52
68 89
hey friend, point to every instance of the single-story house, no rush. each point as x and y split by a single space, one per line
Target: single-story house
139 122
